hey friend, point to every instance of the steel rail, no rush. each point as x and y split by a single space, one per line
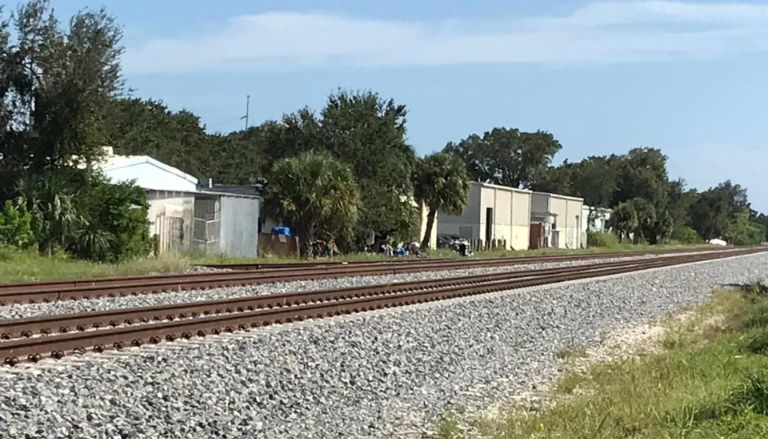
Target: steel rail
80 289
99 339
63 323
521 259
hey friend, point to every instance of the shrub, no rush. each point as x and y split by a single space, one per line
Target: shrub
686 235
115 222
753 396
602 239
16 225
742 231
758 344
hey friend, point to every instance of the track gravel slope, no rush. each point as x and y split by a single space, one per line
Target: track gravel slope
385 374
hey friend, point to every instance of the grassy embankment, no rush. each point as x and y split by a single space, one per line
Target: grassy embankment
18 266
707 379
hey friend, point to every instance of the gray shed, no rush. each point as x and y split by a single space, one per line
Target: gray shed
227 223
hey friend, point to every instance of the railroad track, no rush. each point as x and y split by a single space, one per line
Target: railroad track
32 292
522 259
34 338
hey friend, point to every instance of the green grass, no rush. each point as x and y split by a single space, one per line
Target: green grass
709 379
16 266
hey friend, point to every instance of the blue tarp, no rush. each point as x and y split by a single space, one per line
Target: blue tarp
281 230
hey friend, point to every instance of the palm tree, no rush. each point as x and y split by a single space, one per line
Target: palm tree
624 220
441 183
315 194
52 205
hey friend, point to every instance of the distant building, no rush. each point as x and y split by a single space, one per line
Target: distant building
559 217
493 213
184 218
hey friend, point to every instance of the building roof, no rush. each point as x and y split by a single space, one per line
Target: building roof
233 189
565 197
497 186
114 162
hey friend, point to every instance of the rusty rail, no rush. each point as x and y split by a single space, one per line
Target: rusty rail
112 287
64 323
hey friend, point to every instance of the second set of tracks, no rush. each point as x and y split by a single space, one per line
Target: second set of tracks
254 274
35 338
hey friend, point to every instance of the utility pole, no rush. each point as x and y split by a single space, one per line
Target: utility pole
247 110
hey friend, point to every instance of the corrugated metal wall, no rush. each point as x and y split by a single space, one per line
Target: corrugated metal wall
239 226
170 217
206 226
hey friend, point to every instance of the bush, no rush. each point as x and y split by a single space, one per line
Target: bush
686 235
115 222
16 225
742 231
602 239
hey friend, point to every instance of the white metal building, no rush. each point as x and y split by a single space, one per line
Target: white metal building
561 217
183 218
493 212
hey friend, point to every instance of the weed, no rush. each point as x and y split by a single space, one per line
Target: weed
448 427
570 382
571 351
753 396
755 288
758 344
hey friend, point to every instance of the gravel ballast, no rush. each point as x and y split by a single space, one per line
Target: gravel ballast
384 374
16 311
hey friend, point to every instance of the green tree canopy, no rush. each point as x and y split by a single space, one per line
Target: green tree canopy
441 183
147 127
362 130
369 133
506 156
717 209
55 81
315 194
743 231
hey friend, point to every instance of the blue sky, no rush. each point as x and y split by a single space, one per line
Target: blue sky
687 77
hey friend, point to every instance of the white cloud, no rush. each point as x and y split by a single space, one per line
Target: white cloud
602 32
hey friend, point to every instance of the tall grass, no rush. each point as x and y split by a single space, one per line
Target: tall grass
18 266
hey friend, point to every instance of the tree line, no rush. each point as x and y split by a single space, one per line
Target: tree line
345 172
55 79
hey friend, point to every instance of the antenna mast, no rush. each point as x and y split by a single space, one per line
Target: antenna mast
247 110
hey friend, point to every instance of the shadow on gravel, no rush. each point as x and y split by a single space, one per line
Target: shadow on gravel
757 288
